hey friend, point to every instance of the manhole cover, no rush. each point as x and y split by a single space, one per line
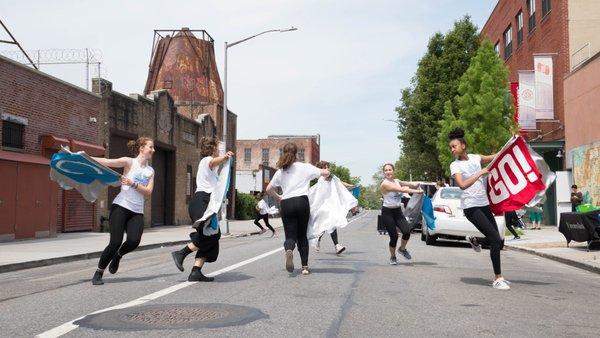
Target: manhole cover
172 316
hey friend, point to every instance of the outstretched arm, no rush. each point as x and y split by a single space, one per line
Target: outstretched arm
389 186
413 185
120 162
217 161
487 158
464 184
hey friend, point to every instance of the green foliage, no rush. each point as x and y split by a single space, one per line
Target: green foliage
483 107
422 105
245 206
370 197
343 173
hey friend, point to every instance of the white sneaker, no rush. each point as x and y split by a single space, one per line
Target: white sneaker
339 249
474 244
501 285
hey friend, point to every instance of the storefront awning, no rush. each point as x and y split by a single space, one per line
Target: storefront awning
55 142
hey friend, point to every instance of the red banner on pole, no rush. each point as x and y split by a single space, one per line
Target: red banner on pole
514 178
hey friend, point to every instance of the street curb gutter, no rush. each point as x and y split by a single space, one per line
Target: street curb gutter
90 255
566 261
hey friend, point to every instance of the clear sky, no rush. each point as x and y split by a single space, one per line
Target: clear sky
340 75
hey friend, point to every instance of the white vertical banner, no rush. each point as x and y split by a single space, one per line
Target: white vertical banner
527 94
544 89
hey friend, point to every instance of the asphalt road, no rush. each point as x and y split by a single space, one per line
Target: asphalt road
444 291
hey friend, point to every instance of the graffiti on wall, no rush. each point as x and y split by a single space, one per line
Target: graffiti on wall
586 170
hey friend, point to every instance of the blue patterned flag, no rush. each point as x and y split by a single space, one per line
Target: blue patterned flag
79 171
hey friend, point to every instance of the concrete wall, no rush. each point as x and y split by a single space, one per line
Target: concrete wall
584 29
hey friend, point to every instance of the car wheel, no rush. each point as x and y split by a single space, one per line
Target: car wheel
430 239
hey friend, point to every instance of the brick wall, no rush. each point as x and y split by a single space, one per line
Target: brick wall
549 36
309 144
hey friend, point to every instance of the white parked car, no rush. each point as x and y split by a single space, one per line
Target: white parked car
450 221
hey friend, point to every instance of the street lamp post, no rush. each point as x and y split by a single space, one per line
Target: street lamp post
227 46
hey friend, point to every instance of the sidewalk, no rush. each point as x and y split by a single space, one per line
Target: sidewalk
551 244
67 247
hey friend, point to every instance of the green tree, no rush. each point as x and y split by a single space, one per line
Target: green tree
422 104
483 108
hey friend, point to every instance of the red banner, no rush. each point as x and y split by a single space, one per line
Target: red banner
514 179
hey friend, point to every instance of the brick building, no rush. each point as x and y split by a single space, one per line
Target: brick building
176 139
568 31
39 113
257 158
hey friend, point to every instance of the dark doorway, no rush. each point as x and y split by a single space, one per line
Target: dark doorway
163 163
118 148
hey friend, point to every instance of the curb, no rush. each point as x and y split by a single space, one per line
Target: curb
566 261
96 254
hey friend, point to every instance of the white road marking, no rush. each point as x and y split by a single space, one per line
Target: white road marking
70 326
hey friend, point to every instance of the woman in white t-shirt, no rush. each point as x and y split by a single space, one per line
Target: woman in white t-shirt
262 212
206 247
294 179
391 211
127 210
469 176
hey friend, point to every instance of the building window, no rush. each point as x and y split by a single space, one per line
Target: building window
546 7
531 8
247 155
12 135
497 47
265 156
189 132
508 42
301 155
189 189
519 28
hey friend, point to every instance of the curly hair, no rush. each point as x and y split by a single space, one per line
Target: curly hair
207 146
457 134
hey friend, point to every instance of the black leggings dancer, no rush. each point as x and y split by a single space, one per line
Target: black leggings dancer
265 219
120 220
334 237
483 219
295 212
394 219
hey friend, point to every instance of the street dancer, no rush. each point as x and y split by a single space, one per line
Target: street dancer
127 210
341 198
469 176
391 211
262 212
206 246
294 179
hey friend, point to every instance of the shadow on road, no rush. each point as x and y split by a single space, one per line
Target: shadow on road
132 279
487 282
232 277
419 263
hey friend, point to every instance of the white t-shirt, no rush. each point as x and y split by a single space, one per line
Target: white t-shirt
206 178
263 208
295 180
475 195
393 199
130 198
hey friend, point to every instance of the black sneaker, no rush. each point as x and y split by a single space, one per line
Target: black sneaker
405 254
393 261
97 279
197 276
178 258
114 264
289 260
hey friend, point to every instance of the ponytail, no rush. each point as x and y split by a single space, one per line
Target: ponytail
288 157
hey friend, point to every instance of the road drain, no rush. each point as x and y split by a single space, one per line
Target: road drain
172 316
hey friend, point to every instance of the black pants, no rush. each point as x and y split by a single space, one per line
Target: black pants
265 218
483 219
122 220
511 218
334 237
394 219
208 246
295 212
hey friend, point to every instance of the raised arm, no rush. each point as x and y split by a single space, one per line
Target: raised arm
120 162
487 158
413 185
217 161
389 186
464 184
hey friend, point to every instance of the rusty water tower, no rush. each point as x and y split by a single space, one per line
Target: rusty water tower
183 63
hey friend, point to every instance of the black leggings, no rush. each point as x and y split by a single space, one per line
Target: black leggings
208 246
295 212
265 218
483 219
334 237
394 219
122 220
511 218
